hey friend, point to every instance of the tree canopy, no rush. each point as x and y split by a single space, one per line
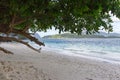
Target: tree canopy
19 16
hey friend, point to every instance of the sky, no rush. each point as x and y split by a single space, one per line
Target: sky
49 32
116 28
116 24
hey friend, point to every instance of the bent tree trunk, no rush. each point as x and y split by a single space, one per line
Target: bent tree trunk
17 40
4 28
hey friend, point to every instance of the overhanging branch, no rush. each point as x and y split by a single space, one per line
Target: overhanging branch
28 36
17 40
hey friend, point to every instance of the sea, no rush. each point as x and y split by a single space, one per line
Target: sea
105 49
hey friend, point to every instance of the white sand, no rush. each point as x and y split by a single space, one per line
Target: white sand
27 64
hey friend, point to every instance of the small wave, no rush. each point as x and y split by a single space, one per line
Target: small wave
73 49
99 52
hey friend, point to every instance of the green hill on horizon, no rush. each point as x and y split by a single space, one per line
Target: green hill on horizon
97 35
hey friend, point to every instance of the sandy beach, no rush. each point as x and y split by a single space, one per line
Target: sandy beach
27 64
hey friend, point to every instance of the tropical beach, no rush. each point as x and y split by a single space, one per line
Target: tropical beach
84 42
26 64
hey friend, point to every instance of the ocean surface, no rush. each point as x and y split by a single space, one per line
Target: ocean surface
99 48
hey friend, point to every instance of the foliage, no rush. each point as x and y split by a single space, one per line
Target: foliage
65 15
19 16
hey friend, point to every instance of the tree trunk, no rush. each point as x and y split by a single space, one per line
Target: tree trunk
17 40
4 28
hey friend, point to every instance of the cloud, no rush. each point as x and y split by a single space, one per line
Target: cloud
49 32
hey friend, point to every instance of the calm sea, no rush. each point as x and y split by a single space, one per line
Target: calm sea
104 48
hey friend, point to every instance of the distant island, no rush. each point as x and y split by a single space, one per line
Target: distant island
97 35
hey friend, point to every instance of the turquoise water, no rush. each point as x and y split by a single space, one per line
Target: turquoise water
93 44
107 48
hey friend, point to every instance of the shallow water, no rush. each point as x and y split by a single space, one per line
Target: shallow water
107 48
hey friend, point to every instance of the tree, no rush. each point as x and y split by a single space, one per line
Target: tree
19 16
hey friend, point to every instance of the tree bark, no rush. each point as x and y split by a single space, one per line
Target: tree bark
28 36
6 29
17 40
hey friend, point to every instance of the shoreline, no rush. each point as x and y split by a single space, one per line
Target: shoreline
82 55
27 64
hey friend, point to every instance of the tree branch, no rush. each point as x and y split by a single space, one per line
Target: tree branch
26 28
17 40
12 22
28 36
19 22
16 21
